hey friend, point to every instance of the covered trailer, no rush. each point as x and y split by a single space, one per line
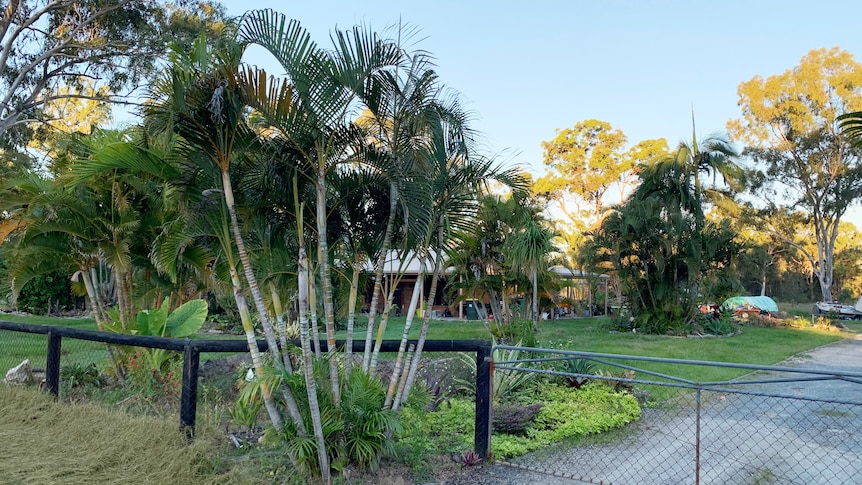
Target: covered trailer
745 306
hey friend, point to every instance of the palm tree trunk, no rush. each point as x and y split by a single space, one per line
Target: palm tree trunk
381 329
290 400
378 275
99 316
402 384
308 367
281 327
247 269
326 285
257 361
312 312
423 332
535 302
351 314
399 360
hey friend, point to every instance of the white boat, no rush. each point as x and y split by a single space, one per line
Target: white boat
852 312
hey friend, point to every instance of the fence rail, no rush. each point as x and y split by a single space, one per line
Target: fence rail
192 348
776 424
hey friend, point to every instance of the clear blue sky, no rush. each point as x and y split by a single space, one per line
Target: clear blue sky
528 68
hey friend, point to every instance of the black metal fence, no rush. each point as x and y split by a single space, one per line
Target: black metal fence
48 353
775 425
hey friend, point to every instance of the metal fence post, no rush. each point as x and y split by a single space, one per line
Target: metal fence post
482 437
52 364
697 440
189 398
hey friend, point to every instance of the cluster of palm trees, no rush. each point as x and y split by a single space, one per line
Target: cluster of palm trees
661 243
267 191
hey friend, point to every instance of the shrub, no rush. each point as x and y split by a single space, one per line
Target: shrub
591 409
45 293
163 380
517 330
721 324
577 371
514 419
357 432
76 375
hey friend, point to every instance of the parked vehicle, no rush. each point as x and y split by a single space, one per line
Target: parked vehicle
846 312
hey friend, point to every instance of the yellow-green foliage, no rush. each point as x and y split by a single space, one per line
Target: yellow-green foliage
592 409
567 413
570 413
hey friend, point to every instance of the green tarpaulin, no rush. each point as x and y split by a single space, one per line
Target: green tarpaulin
764 303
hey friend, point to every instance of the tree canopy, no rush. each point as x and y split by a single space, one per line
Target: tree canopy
801 159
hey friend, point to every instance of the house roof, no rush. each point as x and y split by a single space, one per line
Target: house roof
574 274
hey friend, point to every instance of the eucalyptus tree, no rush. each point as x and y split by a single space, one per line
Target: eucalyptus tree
801 159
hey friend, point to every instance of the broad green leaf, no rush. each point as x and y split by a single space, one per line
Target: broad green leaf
157 319
187 319
144 319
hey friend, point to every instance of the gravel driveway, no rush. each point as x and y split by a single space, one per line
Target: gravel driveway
745 439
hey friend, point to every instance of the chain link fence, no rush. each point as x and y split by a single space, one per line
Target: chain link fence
773 426
17 347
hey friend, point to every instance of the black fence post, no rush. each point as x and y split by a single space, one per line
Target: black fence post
52 364
482 438
189 398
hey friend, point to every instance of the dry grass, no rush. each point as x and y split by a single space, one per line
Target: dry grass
44 442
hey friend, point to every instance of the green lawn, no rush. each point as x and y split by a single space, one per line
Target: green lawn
762 346
17 346
755 345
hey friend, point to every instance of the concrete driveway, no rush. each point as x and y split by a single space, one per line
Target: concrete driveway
744 438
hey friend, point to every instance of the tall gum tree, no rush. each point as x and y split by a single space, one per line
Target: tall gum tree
50 49
801 160
585 162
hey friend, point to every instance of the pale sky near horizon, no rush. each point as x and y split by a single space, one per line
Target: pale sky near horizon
526 69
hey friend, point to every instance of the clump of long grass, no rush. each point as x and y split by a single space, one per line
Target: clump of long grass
50 442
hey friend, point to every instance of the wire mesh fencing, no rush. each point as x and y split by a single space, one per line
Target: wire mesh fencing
773 426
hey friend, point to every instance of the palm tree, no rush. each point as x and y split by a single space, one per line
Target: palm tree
527 251
403 117
713 155
456 181
360 212
203 100
314 113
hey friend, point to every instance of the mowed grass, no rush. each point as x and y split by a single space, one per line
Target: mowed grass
754 345
17 346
